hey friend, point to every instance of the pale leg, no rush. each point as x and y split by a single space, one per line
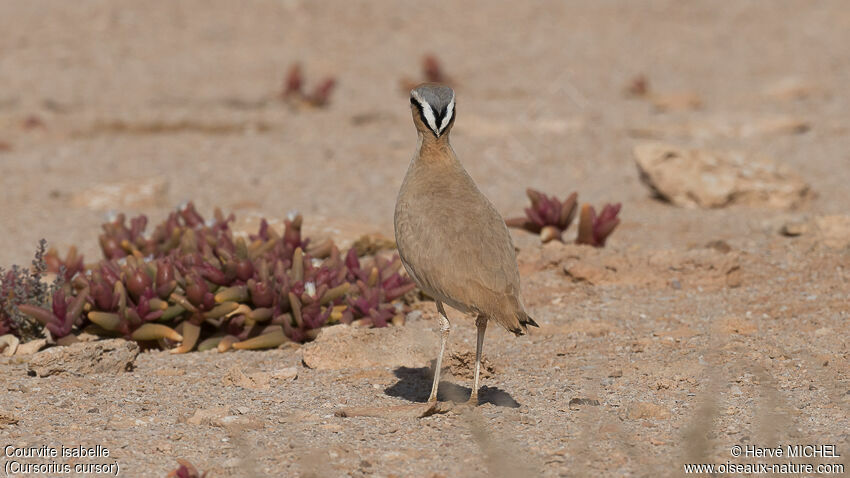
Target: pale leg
481 323
444 336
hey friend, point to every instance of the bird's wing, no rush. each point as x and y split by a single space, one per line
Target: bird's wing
470 253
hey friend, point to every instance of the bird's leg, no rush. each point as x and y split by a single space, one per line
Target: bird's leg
444 336
481 323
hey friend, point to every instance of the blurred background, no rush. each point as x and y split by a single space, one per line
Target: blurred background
136 107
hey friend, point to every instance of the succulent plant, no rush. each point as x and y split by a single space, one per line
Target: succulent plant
432 72
22 286
593 230
191 283
63 315
293 89
549 217
185 470
378 284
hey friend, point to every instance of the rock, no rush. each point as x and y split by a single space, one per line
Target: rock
708 179
577 403
31 347
462 365
205 416
83 358
9 344
834 231
254 381
6 420
734 277
342 347
719 246
140 193
794 228
648 411
289 373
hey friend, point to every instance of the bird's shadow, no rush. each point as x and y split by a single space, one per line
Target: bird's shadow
415 385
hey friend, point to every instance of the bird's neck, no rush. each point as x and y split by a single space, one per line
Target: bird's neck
431 149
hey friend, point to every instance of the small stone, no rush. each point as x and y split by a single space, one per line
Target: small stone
577 403
734 277
720 246
254 381
413 315
794 228
83 358
6 420
31 347
289 373
9 344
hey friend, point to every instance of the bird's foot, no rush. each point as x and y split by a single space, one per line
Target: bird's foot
473 401
436 407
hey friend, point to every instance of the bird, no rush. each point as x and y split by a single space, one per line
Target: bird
451 239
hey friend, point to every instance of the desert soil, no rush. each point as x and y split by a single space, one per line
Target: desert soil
692 331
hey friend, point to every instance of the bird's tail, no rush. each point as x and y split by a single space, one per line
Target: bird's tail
524 322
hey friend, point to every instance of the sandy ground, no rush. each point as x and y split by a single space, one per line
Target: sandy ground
688 349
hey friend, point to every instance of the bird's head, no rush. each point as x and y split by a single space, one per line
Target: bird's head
433 108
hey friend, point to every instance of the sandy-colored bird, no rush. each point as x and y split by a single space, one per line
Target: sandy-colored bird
451 239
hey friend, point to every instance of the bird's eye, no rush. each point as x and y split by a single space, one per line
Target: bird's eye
413 102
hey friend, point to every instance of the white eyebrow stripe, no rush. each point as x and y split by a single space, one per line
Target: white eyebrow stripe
450 110
429 116
426 111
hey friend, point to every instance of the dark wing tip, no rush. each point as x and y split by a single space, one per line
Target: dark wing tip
530 321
